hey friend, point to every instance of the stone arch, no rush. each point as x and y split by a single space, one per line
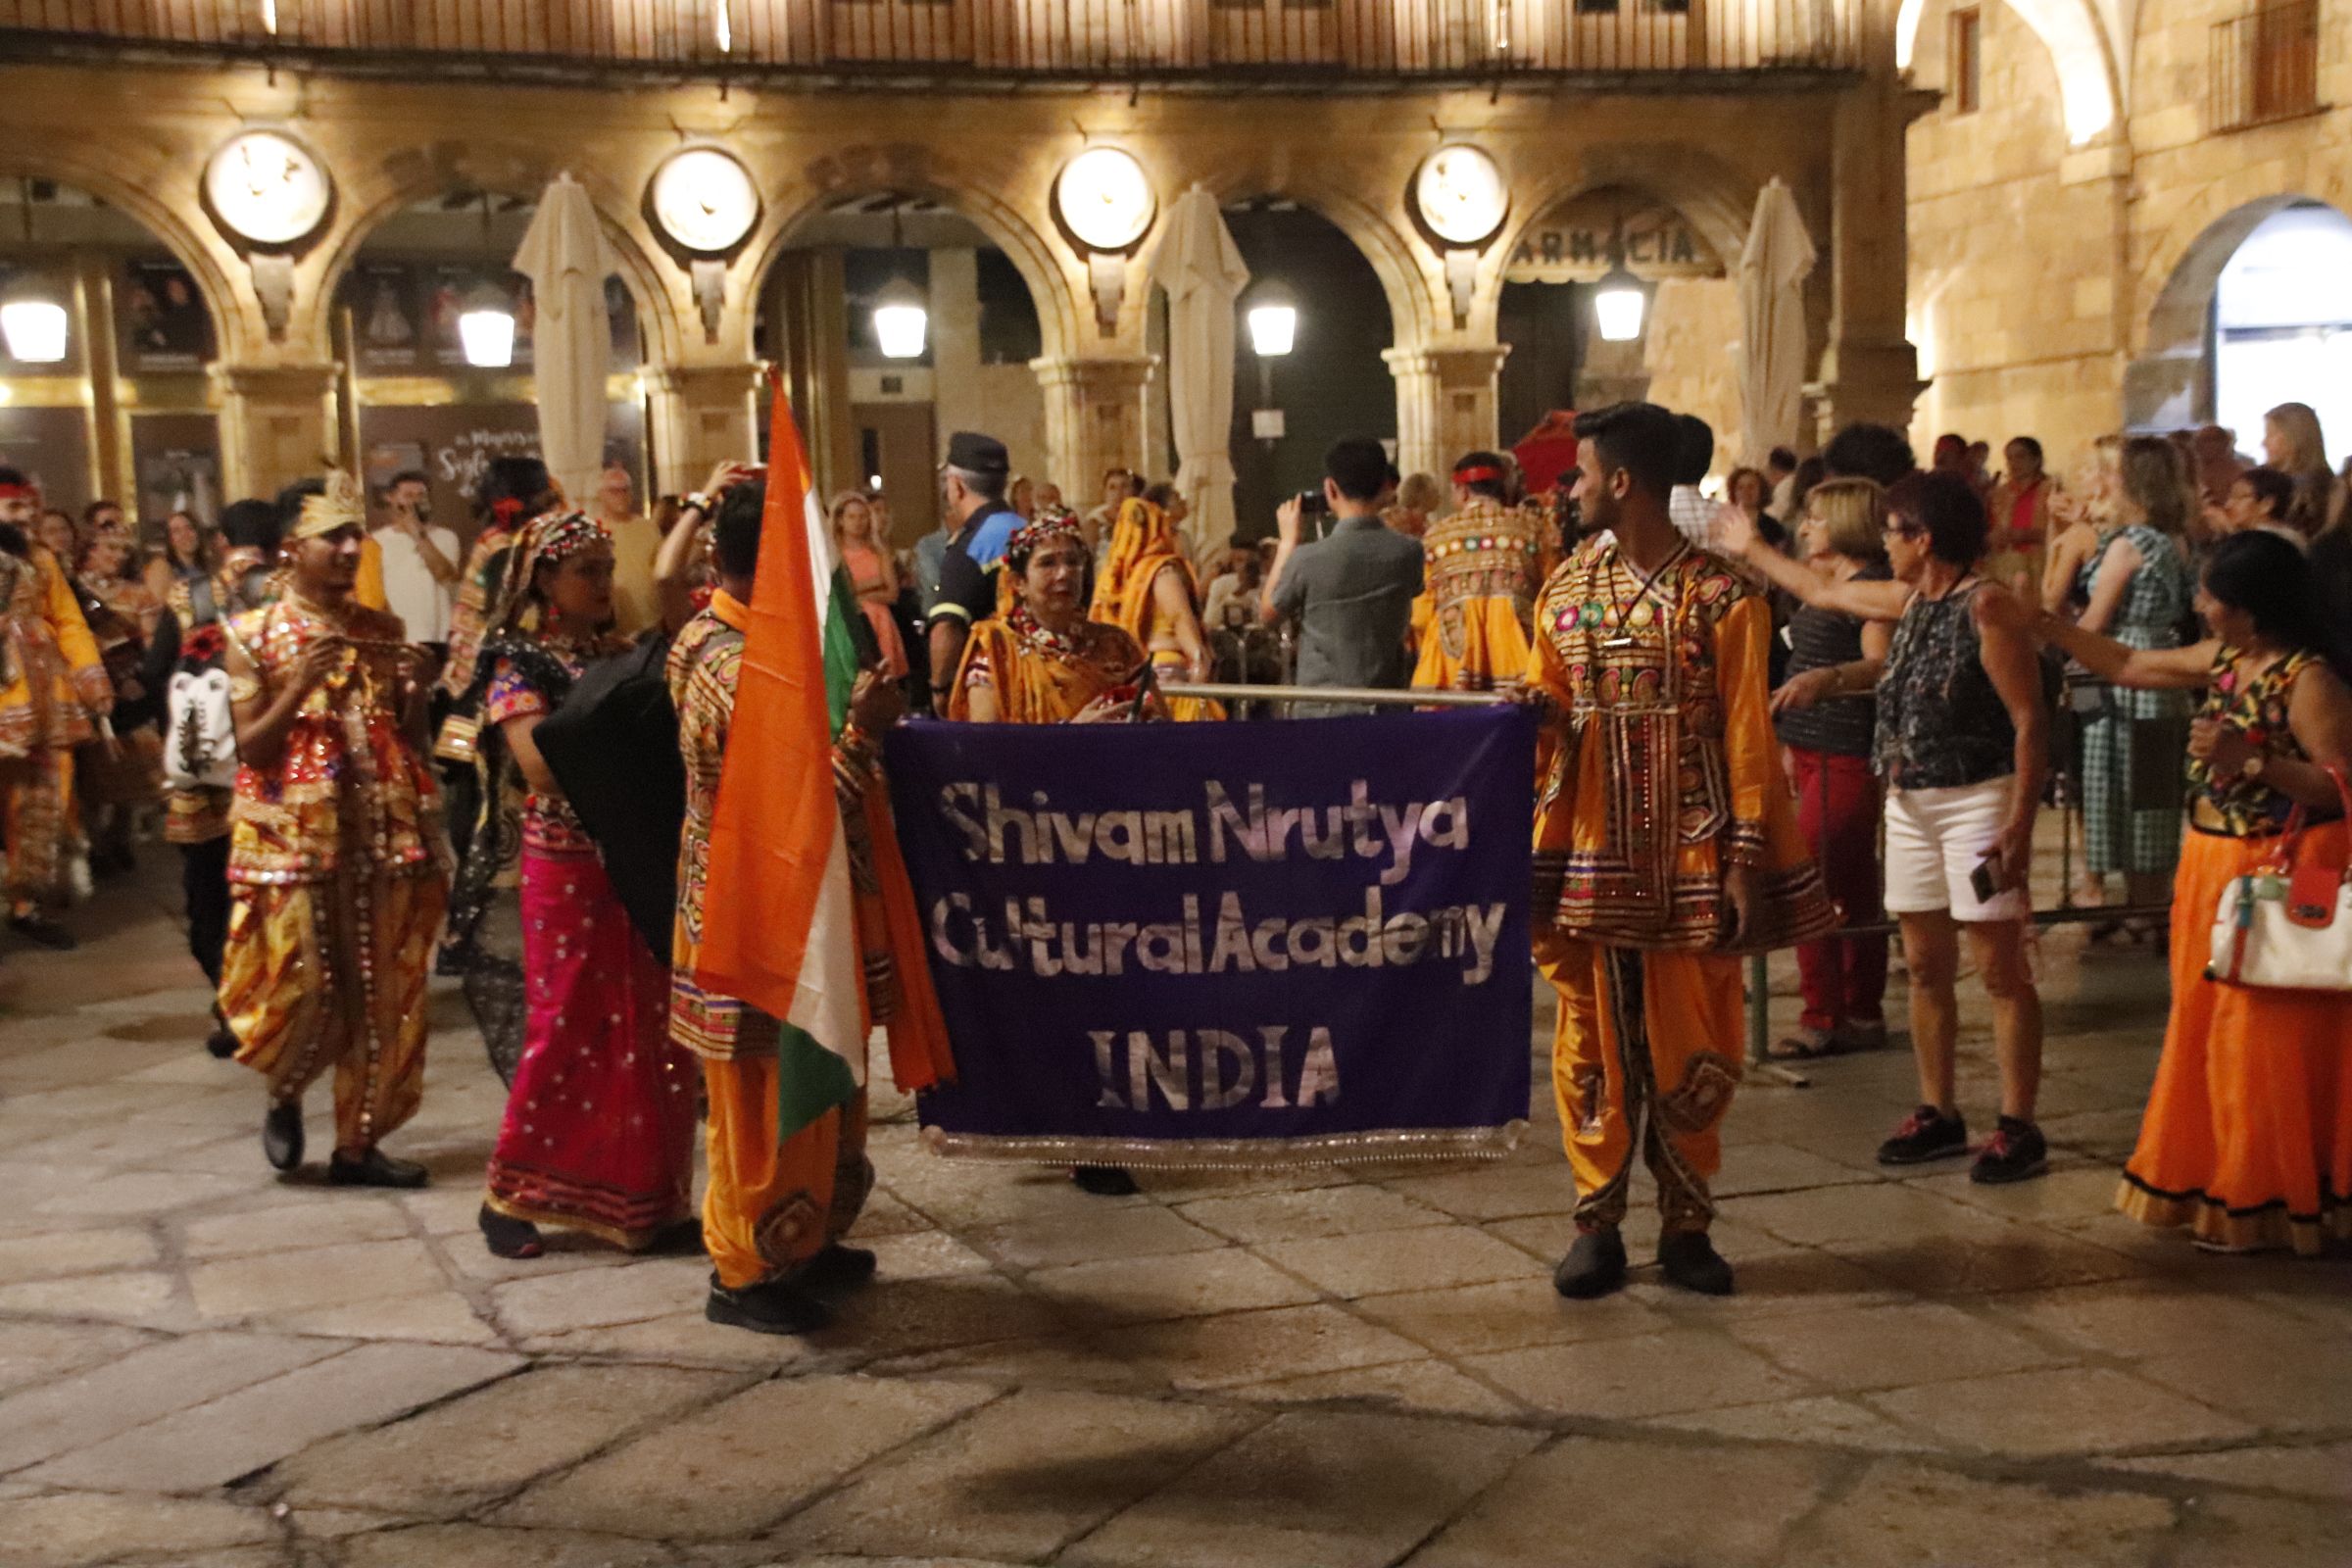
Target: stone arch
1717 199
1409 272
366 198
911 171
2078 35
209 259
2169 382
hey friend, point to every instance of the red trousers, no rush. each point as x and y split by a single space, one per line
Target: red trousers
1844 978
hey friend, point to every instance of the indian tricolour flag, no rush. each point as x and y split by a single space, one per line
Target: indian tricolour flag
778 929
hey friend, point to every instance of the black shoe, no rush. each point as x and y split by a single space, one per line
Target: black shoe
282 1135
680 1239
1595 1265
837 1268
374 1168
509 1237
1926 1133
42 932
1689 1259
2015 1153
1104 1181
775 1307
223 1041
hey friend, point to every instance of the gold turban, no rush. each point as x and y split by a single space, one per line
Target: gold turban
340 506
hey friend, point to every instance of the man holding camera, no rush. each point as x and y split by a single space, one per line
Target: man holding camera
1351 591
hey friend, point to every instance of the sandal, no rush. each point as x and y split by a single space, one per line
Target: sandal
1803 1046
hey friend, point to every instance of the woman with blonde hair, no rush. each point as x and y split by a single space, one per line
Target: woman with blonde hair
2292 442
873 571
1825 714
1416 504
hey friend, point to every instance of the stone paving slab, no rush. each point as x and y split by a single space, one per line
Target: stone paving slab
1297 1367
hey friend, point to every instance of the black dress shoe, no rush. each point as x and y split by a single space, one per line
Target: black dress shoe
775 1307
1689 1259
1595 1265
282 1135
374 1168
509 1237
42 932
1104 1181
837 1268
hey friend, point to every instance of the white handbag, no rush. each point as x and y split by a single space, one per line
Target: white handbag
200 745
2288 925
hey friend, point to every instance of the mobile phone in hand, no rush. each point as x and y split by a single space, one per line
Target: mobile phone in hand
1983 881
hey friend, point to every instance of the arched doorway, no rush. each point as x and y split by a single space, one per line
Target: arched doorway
880 390
426 390
1560 360
104 390
1331 383
2282 325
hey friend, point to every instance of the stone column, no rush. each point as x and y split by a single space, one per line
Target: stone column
702 415
957 401
1446 403
1094 419
1869 370
278 424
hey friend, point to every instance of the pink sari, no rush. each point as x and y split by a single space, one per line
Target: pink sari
598 1128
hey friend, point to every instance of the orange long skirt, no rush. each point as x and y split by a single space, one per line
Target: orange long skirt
2248 1133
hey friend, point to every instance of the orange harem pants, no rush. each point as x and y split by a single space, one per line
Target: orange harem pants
332 975
1643 1059
40 817
771 1207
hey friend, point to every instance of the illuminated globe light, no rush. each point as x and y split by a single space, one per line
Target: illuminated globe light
1273 328
487 334
34 330
900 322
1617 306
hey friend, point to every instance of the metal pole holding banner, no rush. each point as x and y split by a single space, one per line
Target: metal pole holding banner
1369 696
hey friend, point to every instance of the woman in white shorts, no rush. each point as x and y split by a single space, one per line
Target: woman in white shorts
1961 747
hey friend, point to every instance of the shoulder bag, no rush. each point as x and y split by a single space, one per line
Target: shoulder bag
2288 925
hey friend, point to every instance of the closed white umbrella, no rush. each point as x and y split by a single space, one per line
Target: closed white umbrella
1773 269
564 257
1200 268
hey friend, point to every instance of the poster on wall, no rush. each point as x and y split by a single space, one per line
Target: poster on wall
178 460
52 446
386 332
164 326
451 444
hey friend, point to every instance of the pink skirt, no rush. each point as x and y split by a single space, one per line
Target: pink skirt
598 1129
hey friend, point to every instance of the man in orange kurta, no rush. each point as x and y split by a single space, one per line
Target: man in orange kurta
1666 842
780 1203
1486 562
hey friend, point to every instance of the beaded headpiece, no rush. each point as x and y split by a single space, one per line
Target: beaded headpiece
548 539
339 506
1031 537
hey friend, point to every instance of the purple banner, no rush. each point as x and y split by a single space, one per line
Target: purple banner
1225 944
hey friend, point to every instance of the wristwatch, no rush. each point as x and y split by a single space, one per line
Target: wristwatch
697 501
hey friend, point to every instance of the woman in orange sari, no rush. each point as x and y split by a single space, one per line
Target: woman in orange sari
873 573
2247 1139
1044 662
1148 592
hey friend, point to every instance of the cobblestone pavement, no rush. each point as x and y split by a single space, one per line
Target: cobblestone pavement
203 1365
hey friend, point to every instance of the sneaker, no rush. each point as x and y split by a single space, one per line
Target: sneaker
773 1306
1926 1133
1689 1259
2014 1153
1595 1265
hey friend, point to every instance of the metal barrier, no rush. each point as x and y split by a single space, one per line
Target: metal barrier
1760 1059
